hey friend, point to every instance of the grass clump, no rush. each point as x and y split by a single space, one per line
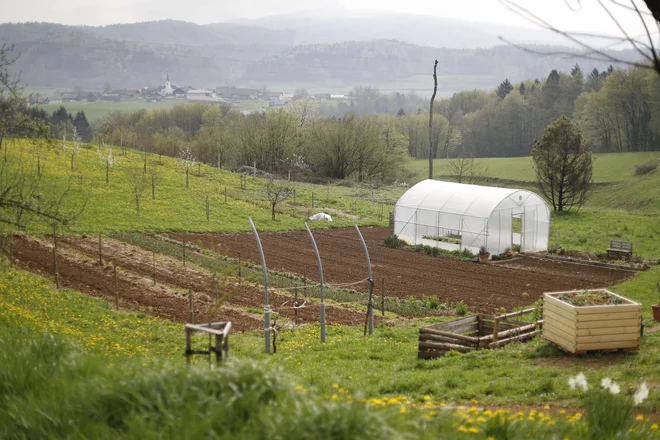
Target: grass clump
393 241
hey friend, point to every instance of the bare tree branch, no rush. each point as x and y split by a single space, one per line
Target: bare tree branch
647 51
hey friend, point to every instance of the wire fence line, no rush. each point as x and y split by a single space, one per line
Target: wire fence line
228 266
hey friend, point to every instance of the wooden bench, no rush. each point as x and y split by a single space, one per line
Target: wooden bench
620 248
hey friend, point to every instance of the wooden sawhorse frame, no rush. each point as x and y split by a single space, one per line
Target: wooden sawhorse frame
218 329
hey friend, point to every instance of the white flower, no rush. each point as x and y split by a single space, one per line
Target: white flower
579 381
641 393
610 385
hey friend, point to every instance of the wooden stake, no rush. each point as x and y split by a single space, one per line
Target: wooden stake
57 275
184 253
100 252
382 296
154 265
116 288
239 268
190 301
312 200
225 195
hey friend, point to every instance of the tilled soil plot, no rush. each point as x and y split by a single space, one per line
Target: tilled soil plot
484 287
79 269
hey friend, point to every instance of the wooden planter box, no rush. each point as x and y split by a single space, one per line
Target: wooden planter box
578 329
474 333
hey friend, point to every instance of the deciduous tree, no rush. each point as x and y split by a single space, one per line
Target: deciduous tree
563 165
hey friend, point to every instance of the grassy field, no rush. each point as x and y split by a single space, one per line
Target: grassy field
124 375
111 207
378 369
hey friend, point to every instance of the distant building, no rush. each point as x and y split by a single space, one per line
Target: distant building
274 96
167 89
203 95
287 97
237 93
110 97
69 96
337 96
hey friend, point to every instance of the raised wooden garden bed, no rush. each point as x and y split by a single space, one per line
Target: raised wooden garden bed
474 333
579 321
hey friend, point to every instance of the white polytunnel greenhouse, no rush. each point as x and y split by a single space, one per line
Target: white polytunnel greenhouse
456 216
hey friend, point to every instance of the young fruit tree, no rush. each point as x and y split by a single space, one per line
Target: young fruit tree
564 165
187 160
107 158
73 149
138 182
277 193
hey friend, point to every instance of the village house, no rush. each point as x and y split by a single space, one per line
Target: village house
203 95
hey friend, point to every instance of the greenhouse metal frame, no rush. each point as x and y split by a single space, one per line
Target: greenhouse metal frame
456 216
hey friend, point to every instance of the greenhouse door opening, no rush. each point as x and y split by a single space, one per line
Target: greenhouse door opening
517 235
459 217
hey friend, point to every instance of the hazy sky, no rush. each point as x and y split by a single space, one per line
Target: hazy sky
589 17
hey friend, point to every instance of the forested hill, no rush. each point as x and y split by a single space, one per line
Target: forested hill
376 62
137 55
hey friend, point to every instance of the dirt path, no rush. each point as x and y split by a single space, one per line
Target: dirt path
485 288
79 269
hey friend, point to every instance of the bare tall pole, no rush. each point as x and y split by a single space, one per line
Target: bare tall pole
318 260
370 306
435 89
265 271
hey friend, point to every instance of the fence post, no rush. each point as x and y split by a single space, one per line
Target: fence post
100 251
190 303
312 199
382 296
225 195
116 289
239 268
57 275
184 253
154 264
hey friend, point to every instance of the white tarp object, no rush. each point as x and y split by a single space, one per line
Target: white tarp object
321 216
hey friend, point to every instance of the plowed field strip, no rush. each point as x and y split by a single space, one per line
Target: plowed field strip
485 288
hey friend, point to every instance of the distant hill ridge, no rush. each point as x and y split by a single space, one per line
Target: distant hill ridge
265 51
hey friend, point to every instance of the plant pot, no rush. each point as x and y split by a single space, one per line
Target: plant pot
656 312
484 257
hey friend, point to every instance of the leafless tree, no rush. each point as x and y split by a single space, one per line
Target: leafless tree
644 44
276 193
204 195
466 169
155 176
138 184
431 149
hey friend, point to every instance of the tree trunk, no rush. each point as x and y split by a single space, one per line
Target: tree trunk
153 188
186 178
435 89
273 214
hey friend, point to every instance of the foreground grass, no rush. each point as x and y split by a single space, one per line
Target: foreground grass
49 391
350 387
383 365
